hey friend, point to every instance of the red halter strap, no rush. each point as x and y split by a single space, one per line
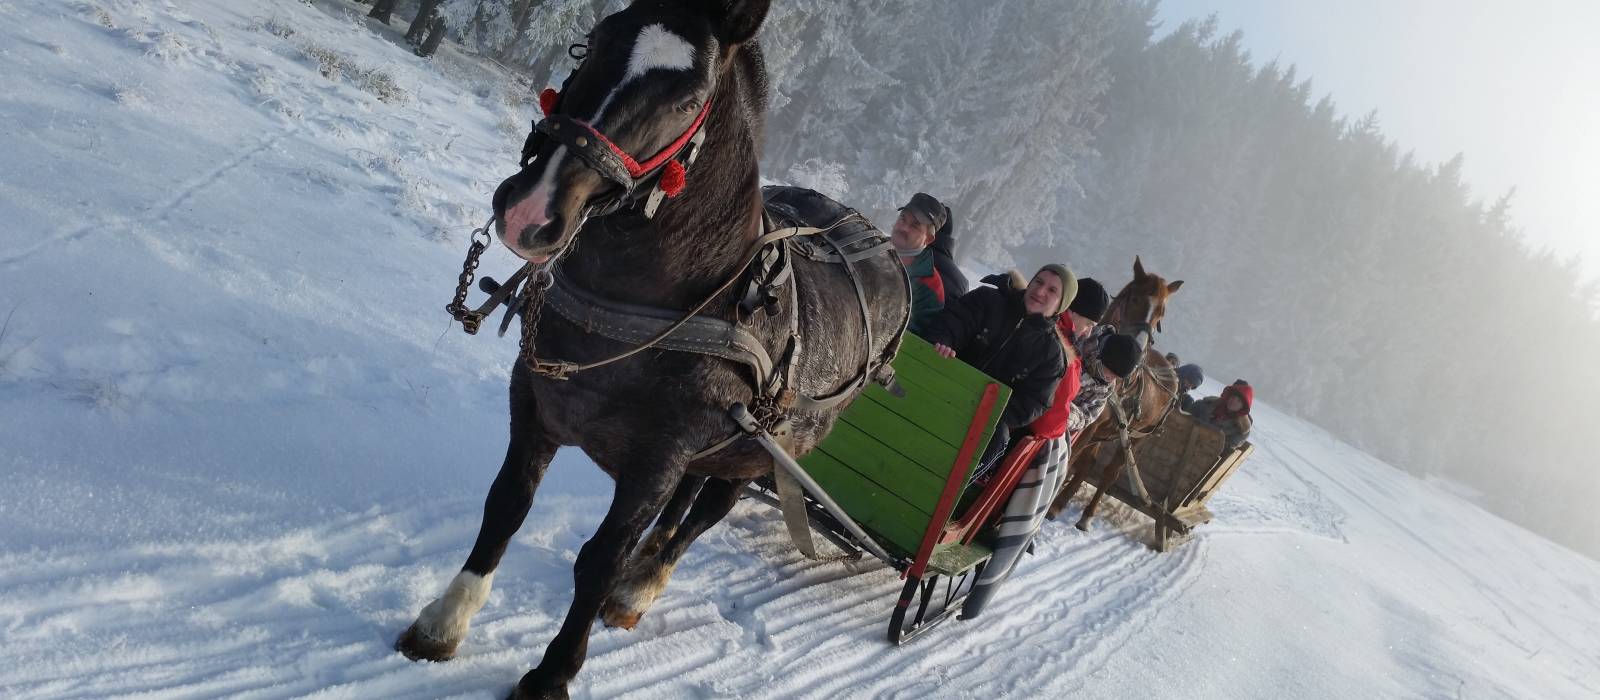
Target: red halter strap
549 98
639 170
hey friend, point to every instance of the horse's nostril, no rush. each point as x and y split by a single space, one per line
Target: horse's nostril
531 211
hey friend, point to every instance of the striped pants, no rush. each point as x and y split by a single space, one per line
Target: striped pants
1024 514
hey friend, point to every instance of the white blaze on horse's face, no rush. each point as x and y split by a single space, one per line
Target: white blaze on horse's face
655 48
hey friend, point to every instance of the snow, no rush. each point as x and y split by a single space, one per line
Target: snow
242 447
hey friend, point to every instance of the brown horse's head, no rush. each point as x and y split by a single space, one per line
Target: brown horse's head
1141 304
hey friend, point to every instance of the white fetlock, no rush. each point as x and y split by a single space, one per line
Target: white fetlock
635 593
447 619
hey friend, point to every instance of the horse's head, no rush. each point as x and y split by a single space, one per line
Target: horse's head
1141 305
624 119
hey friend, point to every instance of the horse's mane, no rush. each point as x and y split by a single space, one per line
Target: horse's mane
752 69
1163 373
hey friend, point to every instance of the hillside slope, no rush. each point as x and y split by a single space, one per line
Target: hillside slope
241 445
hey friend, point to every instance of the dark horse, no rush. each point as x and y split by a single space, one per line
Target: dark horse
654 75
1145 398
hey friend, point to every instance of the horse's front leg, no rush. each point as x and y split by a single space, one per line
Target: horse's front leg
648 574
1112 471
642 489
443 623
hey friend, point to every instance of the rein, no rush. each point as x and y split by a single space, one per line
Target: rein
711 336
627 316
562 369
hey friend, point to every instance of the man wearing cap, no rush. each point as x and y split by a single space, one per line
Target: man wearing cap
912 235
1009 333
1190 377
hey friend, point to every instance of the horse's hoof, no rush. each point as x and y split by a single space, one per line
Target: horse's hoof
1083 525
634 594
525 691
418 647
614 614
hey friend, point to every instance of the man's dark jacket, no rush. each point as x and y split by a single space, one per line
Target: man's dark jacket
990 329
944 258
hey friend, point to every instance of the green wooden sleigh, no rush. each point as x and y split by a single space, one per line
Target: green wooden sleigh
898 466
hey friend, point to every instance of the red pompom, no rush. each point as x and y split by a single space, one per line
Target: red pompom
548 99
673 178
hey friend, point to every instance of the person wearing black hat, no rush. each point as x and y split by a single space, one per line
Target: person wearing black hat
1107 357
912 235
1190 377
1088 307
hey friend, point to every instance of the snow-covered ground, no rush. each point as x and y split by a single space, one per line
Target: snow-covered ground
240 445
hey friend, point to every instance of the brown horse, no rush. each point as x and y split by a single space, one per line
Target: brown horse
1144 398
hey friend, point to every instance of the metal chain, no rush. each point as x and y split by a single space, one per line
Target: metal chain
470 320
532 305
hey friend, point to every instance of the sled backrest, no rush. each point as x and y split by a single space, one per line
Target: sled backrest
889 460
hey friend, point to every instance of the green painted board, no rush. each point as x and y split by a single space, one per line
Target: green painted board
883 464
888 459
904 436
896 524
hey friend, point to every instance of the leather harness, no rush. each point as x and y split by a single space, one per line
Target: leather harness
769 283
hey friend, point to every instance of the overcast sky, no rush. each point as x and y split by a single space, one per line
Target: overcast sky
1513 84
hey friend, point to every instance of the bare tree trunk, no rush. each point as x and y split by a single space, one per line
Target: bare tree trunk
382 10
436 31
420 23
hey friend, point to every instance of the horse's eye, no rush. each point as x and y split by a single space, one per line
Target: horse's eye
689 106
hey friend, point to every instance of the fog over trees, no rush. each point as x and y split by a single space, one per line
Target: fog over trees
1378 296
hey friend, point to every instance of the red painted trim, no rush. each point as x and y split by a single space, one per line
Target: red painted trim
970 447
1000 487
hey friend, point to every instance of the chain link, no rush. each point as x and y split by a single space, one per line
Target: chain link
470 320
532 294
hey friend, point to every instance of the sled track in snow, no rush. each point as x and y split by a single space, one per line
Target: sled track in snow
273 616
816 630
157 211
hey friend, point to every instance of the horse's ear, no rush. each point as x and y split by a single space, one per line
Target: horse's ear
1138 268
1174 286
737 21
